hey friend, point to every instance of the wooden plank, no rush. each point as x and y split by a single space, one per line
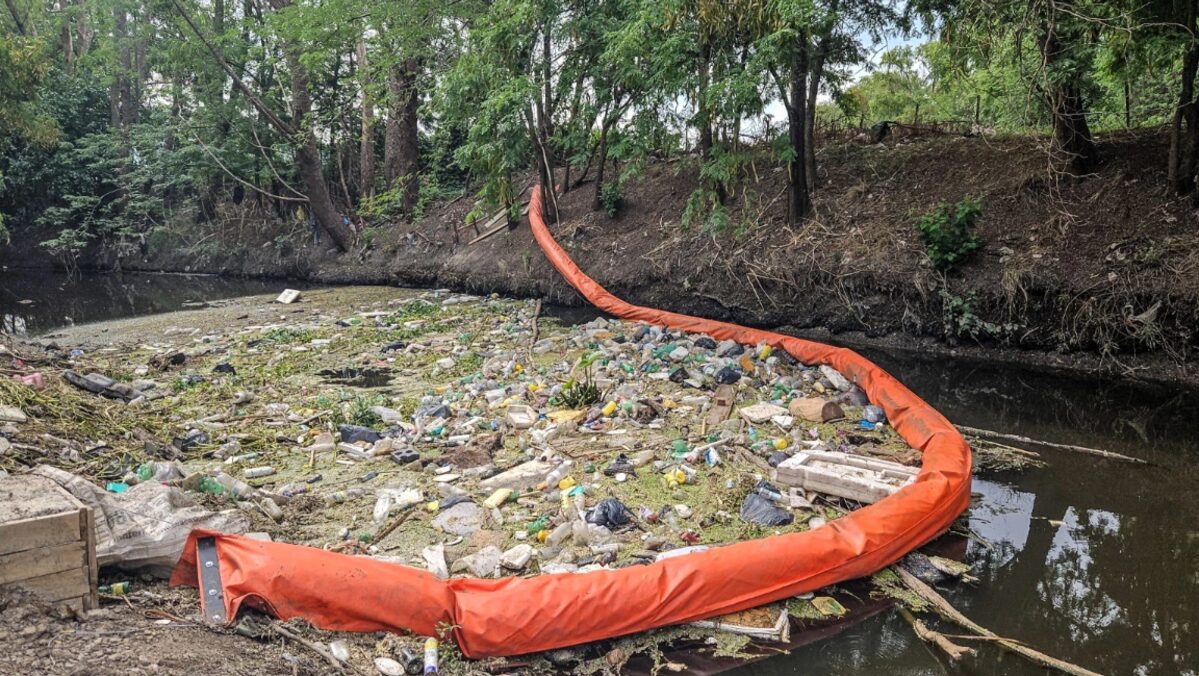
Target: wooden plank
29 496
41 561
87 533
502 225
722 405
43 531
67 584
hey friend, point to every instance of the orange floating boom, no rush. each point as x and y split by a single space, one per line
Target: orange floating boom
515 615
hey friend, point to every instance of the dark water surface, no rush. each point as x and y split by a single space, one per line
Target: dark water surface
1092 561
59 301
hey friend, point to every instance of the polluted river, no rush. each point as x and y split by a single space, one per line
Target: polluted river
1086 559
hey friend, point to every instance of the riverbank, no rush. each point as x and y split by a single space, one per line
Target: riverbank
1098 275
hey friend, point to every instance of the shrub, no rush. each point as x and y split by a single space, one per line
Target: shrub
948 232
611 198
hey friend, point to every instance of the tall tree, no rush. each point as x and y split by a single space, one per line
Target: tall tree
299 129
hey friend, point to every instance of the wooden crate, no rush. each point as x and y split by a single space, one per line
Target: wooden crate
47 541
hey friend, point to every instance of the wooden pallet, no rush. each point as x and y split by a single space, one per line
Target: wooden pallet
47 542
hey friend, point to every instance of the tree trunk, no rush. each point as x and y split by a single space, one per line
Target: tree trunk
1067 110
809 124
120 104
1127 105
18 21
799 204
1180 167
68 39
602 157
400 146
366 151
308 156
1070 128
704 113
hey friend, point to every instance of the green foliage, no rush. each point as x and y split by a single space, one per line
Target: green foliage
612 197
581 393
705 206
948 232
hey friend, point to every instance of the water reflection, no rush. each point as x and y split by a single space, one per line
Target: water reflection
1088 560
34 302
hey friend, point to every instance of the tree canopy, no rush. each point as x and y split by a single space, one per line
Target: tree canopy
121 117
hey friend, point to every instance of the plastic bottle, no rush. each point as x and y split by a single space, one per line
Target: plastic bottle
258 472
557 474
560 534
236 487
292 490
345 496
382 507
159 471
431 656
271 509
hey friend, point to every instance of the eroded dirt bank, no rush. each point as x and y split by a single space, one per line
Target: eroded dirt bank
1098 273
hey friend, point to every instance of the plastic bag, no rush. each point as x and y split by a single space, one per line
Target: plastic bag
609 513
145 527
759 510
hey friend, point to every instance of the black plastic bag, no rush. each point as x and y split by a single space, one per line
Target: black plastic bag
759 510
608 513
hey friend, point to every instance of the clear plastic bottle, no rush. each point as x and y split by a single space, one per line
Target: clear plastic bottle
556 474
236 487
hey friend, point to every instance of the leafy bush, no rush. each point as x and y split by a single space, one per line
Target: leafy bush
948 232
611 197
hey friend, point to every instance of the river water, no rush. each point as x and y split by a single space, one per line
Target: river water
1092 561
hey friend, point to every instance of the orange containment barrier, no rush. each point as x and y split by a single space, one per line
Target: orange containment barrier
516 615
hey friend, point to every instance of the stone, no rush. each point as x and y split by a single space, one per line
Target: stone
12 414
761 412
463 518
517 557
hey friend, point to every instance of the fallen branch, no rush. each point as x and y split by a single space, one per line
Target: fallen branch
990 434
314 647
946 610
393 525
954 651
